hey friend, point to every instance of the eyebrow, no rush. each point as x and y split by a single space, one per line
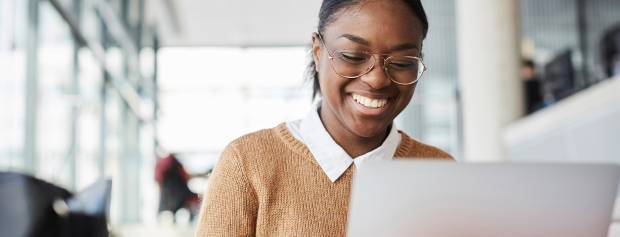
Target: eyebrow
356 39
363 41
405 47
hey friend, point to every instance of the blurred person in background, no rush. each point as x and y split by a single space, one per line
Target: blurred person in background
295 179
533 96
174 193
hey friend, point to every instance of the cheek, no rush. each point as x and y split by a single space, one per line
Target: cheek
323 73
324 66
406 93
408 90
331 83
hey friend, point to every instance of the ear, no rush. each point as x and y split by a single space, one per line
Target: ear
316 50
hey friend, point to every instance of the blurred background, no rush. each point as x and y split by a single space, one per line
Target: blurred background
142 90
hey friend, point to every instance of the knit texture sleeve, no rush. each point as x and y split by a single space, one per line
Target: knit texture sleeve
230 204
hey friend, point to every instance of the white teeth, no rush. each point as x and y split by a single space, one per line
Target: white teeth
368 102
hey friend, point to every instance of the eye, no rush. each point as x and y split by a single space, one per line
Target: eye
402 65
353 57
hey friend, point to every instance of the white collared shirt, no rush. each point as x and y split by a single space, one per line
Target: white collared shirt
331 157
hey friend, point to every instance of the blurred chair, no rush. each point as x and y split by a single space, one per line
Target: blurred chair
31 207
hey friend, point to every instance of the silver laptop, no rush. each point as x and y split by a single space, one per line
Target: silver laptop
413 198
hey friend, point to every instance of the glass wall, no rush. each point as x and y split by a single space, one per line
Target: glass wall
13 25
56 98
76 106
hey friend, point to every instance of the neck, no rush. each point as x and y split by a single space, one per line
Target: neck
353 144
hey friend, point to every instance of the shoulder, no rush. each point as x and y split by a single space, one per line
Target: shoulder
248 152
259 140
269 143
262 153
411 148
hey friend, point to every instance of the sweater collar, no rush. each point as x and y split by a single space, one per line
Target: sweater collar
329 155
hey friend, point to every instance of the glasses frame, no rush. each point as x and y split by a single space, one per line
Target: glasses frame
373 63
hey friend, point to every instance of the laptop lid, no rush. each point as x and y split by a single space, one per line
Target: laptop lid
414 198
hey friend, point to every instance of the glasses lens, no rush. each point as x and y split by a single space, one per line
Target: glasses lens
404 69
350 63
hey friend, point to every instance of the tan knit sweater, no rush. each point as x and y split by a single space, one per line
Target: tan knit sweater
268 183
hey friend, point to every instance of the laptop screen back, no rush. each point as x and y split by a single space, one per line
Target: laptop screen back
413 198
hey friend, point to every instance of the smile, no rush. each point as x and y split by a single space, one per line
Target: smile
369 102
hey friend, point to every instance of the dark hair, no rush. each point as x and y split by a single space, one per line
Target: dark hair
329 12
528 63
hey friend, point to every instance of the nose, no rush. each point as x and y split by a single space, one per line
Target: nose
377 78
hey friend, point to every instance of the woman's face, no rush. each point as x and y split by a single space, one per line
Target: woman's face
383 27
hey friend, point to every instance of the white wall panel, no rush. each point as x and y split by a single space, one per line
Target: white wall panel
582 128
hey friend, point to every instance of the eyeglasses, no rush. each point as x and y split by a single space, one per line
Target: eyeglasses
402 70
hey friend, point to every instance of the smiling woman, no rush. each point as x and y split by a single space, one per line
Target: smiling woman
295 179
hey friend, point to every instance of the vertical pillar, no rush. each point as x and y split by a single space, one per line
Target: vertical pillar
129 162
102 104
72 153
155 89
489 64
582 26
30 138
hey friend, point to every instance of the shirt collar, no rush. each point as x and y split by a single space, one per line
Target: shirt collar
331 157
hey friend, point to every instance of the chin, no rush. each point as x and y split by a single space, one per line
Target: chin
368 129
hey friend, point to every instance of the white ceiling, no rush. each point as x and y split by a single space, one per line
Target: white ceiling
237 22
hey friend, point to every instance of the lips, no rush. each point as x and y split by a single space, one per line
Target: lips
369 102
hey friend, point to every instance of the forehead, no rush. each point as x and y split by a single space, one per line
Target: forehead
385 21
